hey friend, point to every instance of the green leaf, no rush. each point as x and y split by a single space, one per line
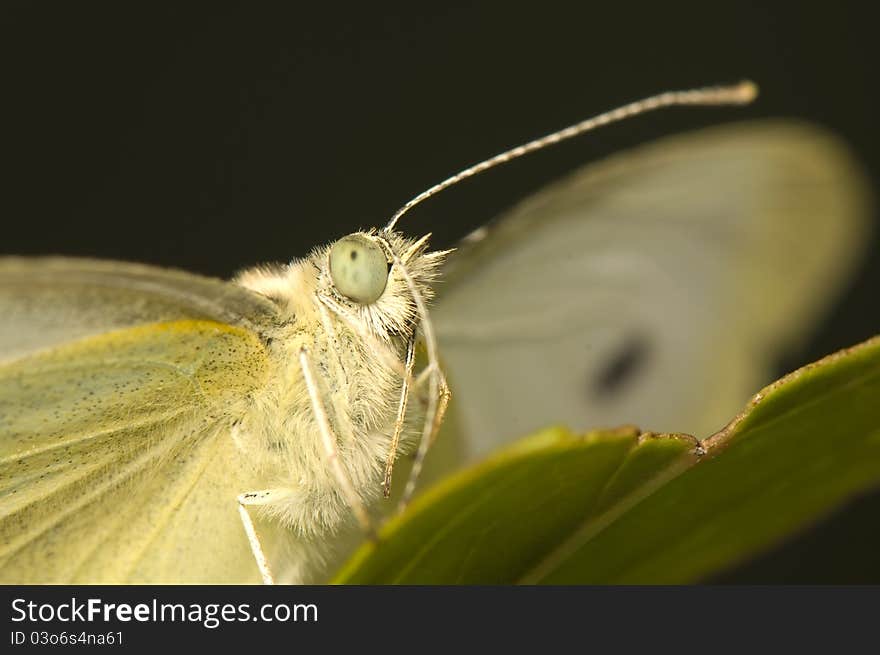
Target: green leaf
622 506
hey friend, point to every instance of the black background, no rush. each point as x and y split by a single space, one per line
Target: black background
214 138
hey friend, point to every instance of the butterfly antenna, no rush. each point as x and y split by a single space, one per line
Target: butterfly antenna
737 94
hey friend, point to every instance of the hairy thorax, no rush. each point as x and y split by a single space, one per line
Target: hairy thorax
359 393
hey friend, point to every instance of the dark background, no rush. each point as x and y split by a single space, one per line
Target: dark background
214 138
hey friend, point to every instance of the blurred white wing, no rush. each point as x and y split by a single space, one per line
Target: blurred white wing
654 288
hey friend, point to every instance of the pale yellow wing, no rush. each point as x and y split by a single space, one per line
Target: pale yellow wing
656 287
116 462
50 300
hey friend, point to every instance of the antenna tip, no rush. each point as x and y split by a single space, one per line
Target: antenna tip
746 92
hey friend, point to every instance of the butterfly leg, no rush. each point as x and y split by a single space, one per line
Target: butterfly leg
251 498
438 394
401 415
330 450
384 352
437 402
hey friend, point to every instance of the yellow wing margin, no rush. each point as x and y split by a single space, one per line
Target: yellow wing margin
116 458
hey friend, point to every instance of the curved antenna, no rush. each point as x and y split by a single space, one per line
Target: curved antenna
737 94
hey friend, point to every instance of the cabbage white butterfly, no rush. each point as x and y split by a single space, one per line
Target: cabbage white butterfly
159 426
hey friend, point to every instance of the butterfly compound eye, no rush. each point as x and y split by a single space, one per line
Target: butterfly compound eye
358 268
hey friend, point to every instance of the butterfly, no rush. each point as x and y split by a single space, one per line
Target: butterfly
162 426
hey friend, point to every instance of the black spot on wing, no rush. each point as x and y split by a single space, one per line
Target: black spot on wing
622 368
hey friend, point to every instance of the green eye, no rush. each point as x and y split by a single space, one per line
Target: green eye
358 268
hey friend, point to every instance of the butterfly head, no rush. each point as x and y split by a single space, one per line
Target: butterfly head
376 275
